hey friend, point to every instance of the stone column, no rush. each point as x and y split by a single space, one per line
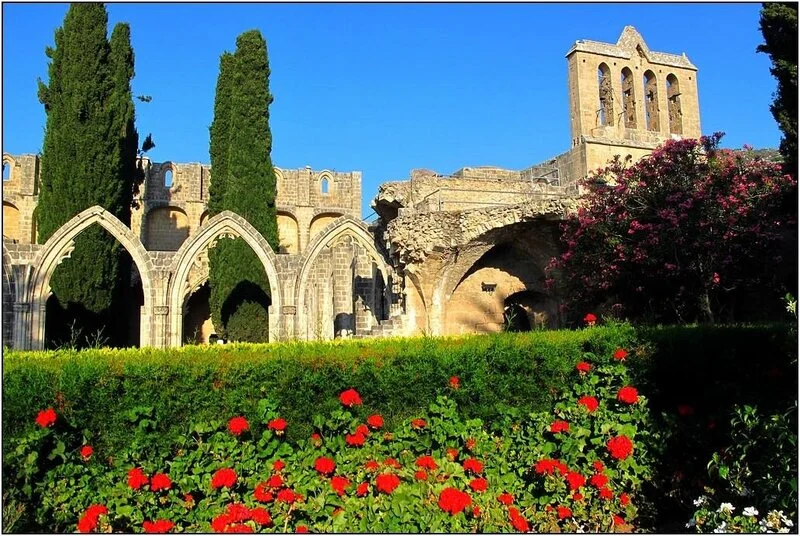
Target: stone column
22 326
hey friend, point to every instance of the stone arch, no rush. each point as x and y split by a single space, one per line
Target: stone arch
230 224
11 217
606 96
628 99
674 105
289 232
60 245
168 175
8 298
341 227
279 181
321 221
8 164
166 228
651 110
325 180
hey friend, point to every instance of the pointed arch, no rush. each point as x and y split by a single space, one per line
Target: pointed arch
674 105
606 96
651 111
230 224
60 245
341 227
628 99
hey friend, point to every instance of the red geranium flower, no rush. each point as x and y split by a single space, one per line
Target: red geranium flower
223 478
577 496
589 402
598 480
371 465
137 478
421 475
262 493
453 501
238 512
86 452
324 465
279 425
426 462
452 454
479 484
237 425
624 500
160 526
160 481
46 418
375 421
239 528
220 523
476 511
563 512
598 466
419 423
618 520
590 319
583 367
278 465
473 465
261 516
362 429
548 466
628 394
316 438
455 383
188 498
301 529
287 496
350 398
275 481
559 426
88 522
391 462
362 489
355 440
517 521
620 447
620 354
387 483
506 498
339 483
575 480
470 444
606 493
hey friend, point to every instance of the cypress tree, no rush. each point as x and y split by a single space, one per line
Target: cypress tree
86 157
243 180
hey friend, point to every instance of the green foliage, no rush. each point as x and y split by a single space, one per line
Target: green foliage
89 153
244 182
778 25
248 323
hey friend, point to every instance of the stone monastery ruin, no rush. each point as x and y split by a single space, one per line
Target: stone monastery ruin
448 255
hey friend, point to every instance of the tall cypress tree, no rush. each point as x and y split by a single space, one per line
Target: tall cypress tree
86 157
241 167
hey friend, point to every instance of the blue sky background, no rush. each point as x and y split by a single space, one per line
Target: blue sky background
385 88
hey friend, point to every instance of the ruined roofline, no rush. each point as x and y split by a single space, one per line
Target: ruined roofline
625 48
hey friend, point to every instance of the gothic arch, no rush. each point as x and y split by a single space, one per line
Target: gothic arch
60 245
606 96
628 99
651 111
674 105
343 226
224 223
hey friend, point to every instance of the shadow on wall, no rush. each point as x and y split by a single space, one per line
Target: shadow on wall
343 325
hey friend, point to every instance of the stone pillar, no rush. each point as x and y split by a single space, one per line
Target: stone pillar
161 333
22 326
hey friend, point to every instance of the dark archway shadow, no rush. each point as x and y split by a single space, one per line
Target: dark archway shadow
247 298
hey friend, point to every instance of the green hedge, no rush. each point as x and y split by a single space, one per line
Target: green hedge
99 390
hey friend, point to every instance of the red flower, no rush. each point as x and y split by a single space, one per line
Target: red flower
452 453
470 444
355 440
506 498
620 447
316 438
453 501
237 425
606 494
279 425
261 516
476 511
598 480
575 480
223 478
685 410
419 423
262 493
548 466
589 402
278 465
160 481
339 483
220 523
301 529
559 426
275 481
618 520
577 496
239 528
362 489
238 512
519 523
375 421
137 478
391 462
590 319
473 465
628 394
620 354
624 500
563 512
160 526
598 466
46 418
86 452
479 484
421 475
287 496
455 383
371 465
362 429
188 498
88 522
583 367
387 483
350 398
324 465
426 462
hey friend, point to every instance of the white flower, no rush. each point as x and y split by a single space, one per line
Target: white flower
750 511
726 508
721 528
700 501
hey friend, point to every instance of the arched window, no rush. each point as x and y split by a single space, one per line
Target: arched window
606 94
168 178
6 171
324 186
628 99
674 105
651 101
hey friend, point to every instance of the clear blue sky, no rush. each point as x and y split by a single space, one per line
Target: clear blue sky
384 88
